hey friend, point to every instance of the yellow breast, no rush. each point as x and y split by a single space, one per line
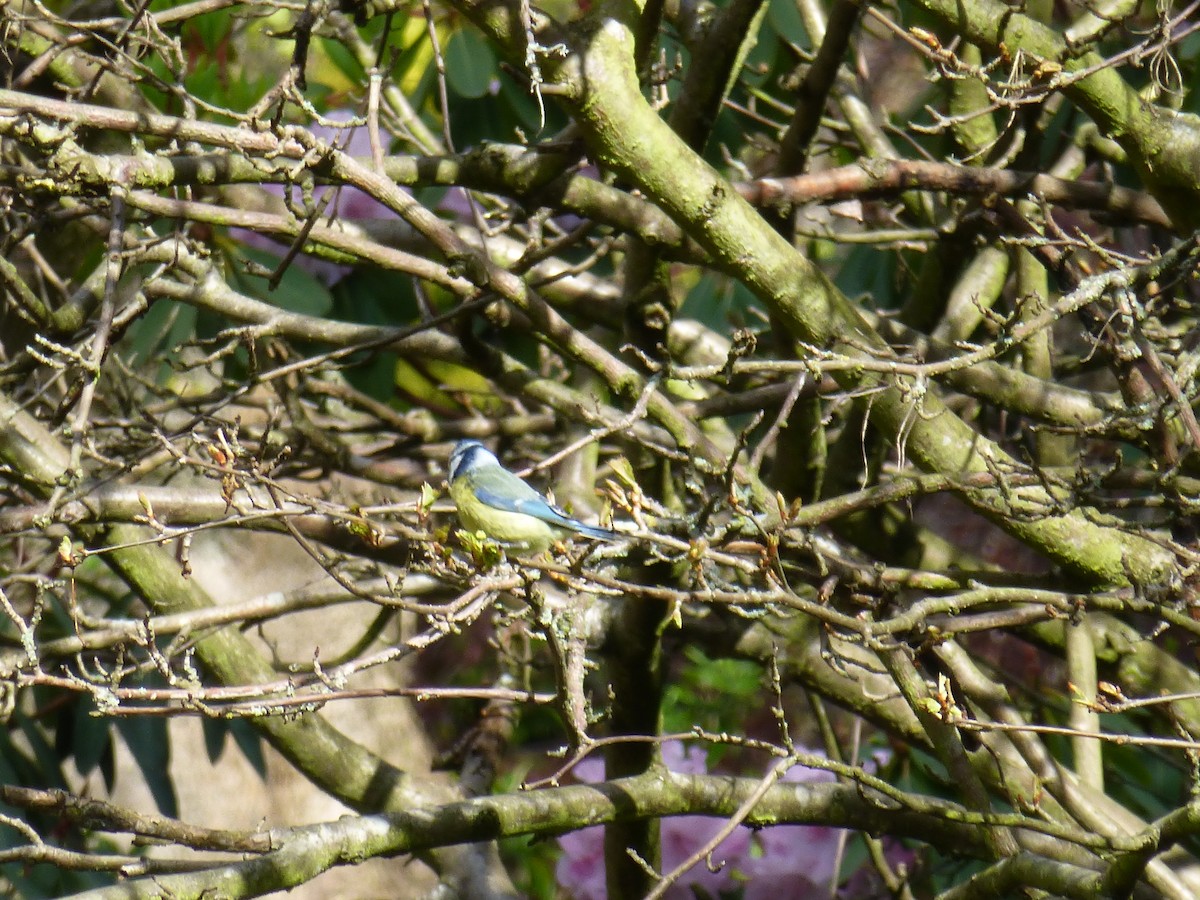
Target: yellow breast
514 529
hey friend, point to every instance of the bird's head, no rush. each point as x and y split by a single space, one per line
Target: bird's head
468 455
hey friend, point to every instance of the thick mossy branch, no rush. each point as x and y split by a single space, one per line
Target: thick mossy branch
629 137
1163 144
331 760
305 852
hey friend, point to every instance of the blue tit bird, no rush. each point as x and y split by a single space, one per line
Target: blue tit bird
493 500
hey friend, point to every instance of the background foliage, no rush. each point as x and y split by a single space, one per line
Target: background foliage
871 326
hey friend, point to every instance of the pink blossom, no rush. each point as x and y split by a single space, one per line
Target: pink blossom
790 858
347 203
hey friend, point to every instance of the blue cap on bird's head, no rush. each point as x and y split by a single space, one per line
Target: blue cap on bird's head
468 454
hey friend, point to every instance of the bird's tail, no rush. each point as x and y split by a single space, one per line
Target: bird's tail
595 531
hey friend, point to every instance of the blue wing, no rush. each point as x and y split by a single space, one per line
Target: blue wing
500 489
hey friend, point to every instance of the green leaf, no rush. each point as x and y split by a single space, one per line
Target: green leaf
413 70
213 29
866 271
522 105
712 693
46 768
207 81
343 60
91 736
785 18
297 292
14 766
165 324
376 296
718 302
470 64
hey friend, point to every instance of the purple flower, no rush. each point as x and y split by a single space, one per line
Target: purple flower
766 864
347 203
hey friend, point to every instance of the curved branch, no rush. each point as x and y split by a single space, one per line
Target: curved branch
330 759
610 107
306 852
1162 143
